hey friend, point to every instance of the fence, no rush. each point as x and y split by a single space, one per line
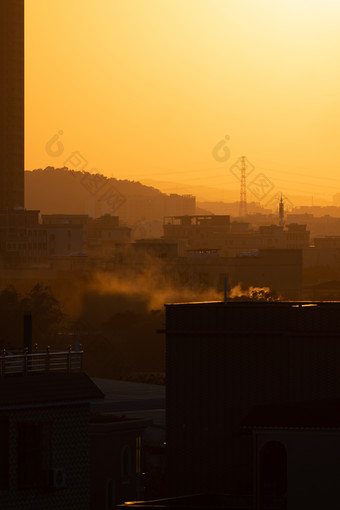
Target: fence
14 362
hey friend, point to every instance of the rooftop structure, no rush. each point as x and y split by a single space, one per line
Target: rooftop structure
202 220
65 219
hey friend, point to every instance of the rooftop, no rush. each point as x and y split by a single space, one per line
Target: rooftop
51 388
210 220
276 304
292 318
135 401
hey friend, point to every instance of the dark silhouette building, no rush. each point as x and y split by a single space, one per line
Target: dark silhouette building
12 104
45 432
116 456
223 359
296 448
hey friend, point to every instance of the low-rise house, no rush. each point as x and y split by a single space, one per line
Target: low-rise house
44 423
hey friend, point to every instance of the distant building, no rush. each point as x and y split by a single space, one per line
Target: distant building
23 241
65 219
154 206
222 359
196 231
297 236
104 234
277 270
324 253
321 225
11 104
204 269
179 205
230 239
66 233
325 291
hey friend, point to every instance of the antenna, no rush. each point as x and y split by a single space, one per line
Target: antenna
281 211
243 194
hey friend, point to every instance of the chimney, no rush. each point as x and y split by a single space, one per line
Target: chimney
28 332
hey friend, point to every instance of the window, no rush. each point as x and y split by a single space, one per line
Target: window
4 453
34 454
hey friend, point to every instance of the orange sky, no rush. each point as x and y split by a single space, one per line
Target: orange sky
145 89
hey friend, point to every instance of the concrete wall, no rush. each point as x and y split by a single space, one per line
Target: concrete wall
70 450
313 468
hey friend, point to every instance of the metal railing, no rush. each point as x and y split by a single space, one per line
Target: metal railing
15 362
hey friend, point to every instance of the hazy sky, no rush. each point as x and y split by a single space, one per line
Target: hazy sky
147 88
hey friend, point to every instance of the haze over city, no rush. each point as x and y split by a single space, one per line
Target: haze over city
146 89
169 255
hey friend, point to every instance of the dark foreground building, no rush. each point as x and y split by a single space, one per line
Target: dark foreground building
223 359
296 455
11 104
45 431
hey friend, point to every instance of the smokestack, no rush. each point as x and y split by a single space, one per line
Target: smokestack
28 332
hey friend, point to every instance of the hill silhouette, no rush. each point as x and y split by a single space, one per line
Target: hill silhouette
63 191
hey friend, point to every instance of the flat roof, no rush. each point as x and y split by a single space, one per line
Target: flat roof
286 304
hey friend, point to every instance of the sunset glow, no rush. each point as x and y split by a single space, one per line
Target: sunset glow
145 89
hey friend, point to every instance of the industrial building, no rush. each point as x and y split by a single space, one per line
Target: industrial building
224 358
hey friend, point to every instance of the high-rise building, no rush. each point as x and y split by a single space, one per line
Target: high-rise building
12 104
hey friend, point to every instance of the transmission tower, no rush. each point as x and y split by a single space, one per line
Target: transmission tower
243 194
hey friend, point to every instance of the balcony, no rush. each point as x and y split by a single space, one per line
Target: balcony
24 363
